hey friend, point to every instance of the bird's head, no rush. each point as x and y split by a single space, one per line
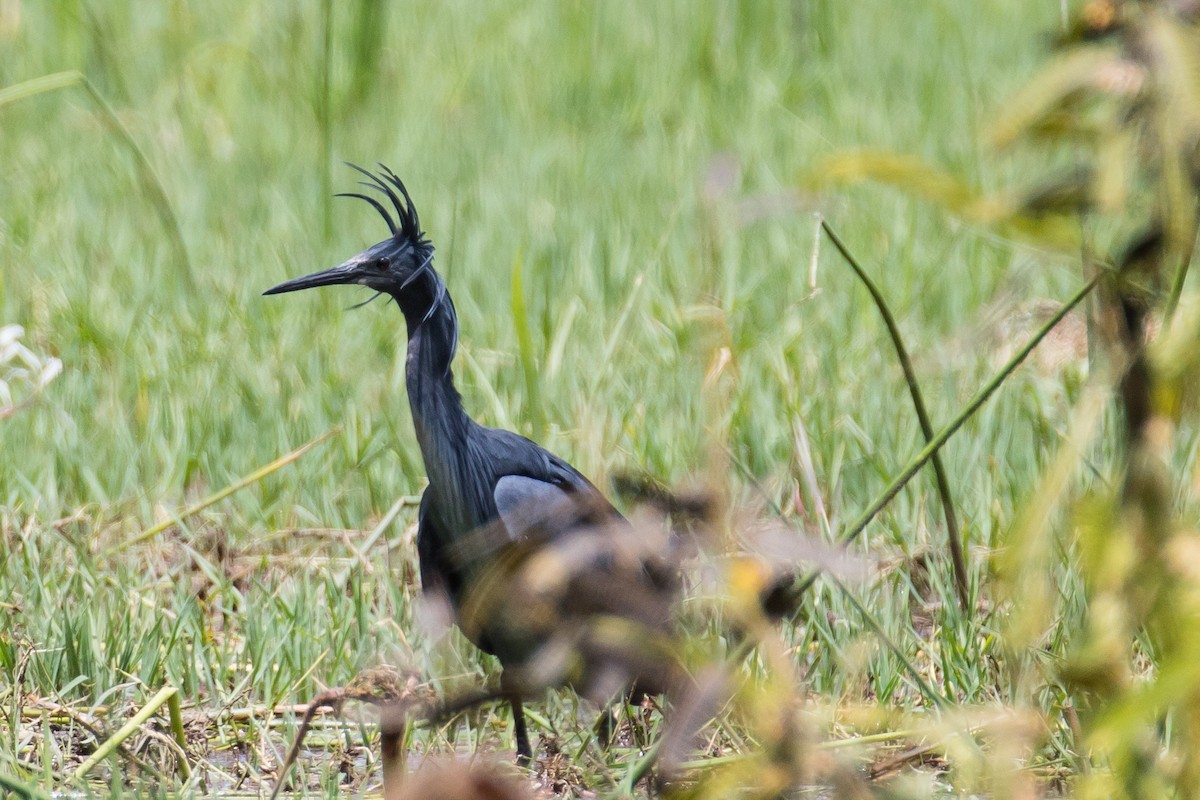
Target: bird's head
394 266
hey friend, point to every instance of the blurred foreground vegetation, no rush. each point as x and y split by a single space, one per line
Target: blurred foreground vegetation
646 176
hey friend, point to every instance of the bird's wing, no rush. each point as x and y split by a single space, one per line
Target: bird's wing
528 504
536 492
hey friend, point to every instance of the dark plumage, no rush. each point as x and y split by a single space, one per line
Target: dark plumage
496 500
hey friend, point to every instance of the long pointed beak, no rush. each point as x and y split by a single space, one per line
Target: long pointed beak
341 274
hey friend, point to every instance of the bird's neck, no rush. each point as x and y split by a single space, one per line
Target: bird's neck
439 419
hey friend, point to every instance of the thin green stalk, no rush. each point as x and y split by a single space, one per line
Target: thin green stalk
176 714
610 345
128 729
953 537
36 86
933 697
408 500
853 530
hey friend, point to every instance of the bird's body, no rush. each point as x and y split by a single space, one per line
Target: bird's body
487 489
491 492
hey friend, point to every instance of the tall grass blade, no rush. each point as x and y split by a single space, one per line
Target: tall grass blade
369 43
150 180
953 537
533 387
252 478
128 729
859 525
41 85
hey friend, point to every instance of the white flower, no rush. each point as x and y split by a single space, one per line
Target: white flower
23 373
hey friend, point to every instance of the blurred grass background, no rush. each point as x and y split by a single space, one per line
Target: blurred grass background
649 167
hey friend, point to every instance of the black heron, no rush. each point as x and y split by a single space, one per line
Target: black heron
495 498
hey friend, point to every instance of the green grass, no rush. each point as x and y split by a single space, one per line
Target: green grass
577 142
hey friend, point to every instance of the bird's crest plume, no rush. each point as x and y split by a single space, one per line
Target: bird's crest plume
406 223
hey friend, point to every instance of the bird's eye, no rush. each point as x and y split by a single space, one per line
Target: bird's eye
382 264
